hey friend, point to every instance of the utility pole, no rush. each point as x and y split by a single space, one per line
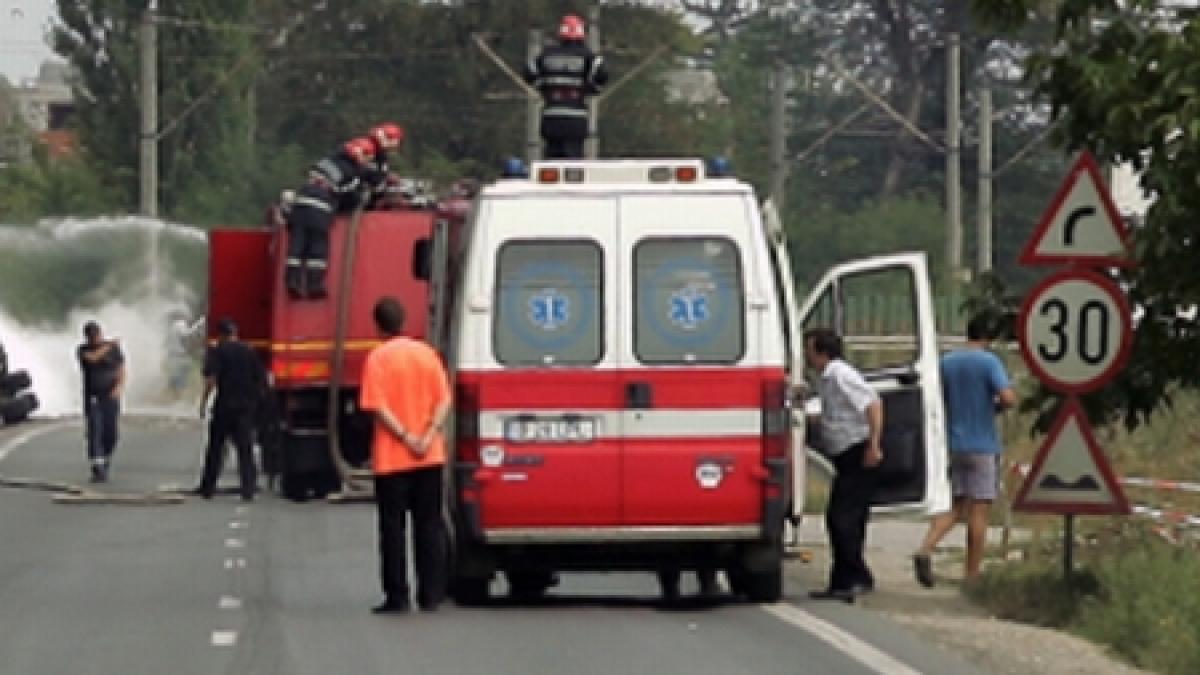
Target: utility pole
591 146
778 140
954 233
533 107
148 141
984 232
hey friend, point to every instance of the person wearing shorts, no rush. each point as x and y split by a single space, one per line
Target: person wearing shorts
975 387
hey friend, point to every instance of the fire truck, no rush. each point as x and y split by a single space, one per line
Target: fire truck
626 354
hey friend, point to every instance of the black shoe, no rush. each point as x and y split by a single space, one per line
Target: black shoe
390 607
923 569
99 474
846 595
862 589
201 492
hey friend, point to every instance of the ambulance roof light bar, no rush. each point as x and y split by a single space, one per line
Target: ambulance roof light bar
578 172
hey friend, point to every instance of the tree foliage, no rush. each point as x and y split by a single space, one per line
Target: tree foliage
1122 81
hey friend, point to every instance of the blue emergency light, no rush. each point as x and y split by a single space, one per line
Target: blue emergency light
514 168
718 167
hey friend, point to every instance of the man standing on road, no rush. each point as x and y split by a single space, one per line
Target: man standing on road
406 387
974 387
103 368
235 371
851 425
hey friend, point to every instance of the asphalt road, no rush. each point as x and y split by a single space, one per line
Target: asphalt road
277 587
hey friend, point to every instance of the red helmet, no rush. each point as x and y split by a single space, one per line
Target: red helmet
571 29
389 135
360 149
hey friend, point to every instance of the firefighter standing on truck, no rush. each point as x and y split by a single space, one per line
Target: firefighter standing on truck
332 184
566 74
351 178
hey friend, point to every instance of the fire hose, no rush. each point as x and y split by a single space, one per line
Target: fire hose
346 473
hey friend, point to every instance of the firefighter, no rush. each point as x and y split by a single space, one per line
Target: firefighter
566 74
335 184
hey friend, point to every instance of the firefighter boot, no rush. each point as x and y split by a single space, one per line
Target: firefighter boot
293 277
315 278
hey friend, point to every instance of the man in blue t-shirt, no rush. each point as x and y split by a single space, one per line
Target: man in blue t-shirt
975 388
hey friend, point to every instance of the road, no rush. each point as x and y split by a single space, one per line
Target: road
277 587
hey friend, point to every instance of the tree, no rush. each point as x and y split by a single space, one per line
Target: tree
1121 79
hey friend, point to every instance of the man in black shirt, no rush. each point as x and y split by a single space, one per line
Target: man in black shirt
103 368
235 371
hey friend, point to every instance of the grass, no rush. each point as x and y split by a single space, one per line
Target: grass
1131 591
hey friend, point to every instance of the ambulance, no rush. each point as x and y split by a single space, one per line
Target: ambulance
627 358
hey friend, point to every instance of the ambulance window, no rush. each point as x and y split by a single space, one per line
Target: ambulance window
549 309
688 300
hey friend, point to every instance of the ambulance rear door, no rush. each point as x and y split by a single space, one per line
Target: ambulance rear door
543 376
883 309
692 362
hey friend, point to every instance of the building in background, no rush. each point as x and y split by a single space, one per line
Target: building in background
37 110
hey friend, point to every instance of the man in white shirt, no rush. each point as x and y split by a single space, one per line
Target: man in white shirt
851 424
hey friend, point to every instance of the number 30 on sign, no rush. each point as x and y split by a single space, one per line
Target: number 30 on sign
1075 330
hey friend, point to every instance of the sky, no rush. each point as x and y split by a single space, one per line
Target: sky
22 37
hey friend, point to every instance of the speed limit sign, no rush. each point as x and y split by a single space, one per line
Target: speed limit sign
1075 330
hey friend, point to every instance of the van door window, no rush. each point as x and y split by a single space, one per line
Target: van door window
880 325
549 308
688 297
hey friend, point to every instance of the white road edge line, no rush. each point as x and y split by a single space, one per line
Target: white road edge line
229 602
224 638
845 642
30 435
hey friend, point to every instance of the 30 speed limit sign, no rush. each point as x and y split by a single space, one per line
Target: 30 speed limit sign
1075 330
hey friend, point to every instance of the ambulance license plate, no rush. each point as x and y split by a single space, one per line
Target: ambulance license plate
573 429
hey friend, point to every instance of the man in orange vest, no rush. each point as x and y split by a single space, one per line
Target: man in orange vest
406 387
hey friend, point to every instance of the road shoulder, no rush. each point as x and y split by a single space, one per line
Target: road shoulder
943 615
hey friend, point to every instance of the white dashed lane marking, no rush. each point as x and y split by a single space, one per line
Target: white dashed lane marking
224 638
235 543
229 602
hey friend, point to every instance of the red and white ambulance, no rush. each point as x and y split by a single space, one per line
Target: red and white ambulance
625 348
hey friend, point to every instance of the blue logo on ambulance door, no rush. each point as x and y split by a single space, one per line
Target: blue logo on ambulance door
549 309
689 308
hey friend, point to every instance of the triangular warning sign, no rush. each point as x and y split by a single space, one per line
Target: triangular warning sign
1082 224
1071 474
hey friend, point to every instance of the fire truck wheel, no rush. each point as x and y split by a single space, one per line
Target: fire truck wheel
530 585
469 591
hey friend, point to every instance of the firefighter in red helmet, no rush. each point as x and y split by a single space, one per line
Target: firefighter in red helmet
377 177
566 74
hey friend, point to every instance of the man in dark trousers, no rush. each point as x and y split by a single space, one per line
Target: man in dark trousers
103 367
405 386
851 427
566 74
235 371
335 184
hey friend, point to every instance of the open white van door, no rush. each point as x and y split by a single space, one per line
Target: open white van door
793 341
882 308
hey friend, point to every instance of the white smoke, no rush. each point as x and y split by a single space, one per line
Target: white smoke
139 314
